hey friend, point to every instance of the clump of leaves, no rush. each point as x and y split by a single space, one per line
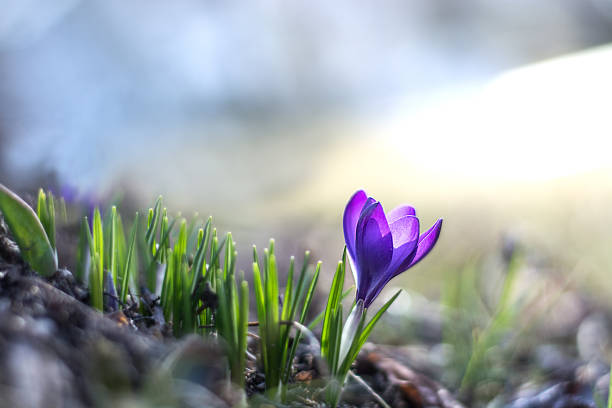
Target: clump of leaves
33 239
111 261
275 321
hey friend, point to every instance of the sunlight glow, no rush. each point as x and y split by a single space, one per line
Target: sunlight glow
538 122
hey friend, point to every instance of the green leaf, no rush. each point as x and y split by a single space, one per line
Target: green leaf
154 262
222 318
333 302
28 232
96 267
129 264
45 210
152 222
93 277
243 327
255 256
300 290
370 326
41 207
167 297
309 295
288 297
335 336
199 261
286 311
51 215
121 252
261 313
98 241
186 317
272 320
95 283
321 315
112 245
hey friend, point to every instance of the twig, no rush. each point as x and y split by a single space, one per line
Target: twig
250 324
377 397
253 335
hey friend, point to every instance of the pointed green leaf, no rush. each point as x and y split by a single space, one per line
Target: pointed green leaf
28 232
129 260
333 302
370 326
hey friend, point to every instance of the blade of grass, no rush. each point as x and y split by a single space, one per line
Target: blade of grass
129 264
305 308
300 288
286 314
261 314
112 245
51 215
272 319
154 215
321 315
333 302
167 290
199 262
121 252
243 327
365 333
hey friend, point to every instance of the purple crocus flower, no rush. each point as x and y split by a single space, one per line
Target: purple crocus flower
381 246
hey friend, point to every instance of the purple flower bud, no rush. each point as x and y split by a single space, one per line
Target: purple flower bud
381 246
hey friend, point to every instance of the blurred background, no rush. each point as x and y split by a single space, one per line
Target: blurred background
269 115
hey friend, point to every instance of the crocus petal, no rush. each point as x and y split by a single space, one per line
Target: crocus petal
426 242
351 217
377 213
405 232
405 229
368 207
399 212
404 252
374 247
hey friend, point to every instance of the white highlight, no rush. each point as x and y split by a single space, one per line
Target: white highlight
538 122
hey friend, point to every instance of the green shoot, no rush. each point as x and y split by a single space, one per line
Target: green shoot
502 319
130 266
96 270
232 312
45 209
277 346
112 249
319 318
341 342
29 233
